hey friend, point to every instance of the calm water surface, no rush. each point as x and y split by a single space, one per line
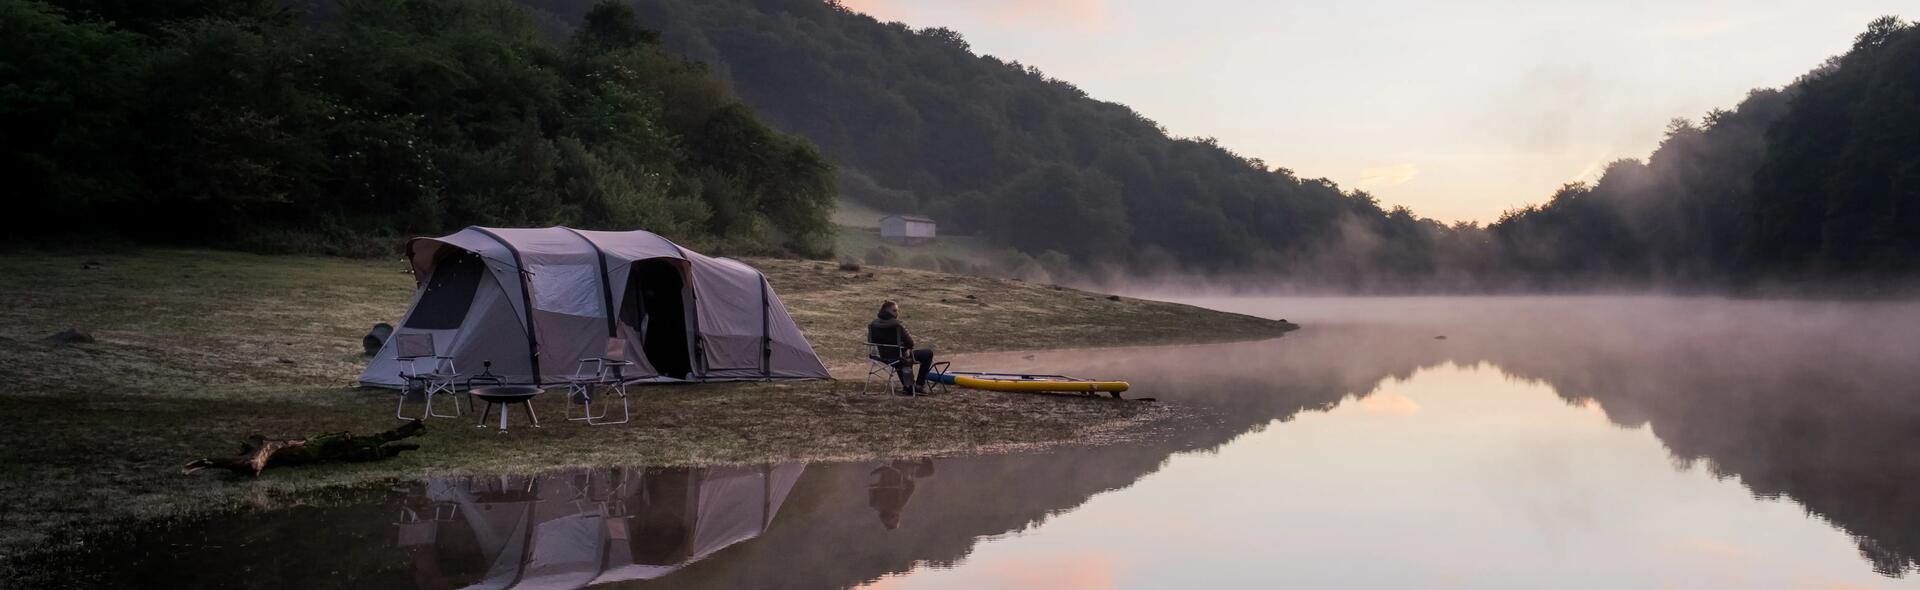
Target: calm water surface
1393 443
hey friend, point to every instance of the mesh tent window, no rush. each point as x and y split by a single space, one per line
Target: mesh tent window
449 292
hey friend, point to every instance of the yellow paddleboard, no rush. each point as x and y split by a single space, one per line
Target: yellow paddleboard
1036 384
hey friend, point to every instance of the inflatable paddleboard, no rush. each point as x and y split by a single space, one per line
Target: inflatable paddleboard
1027 383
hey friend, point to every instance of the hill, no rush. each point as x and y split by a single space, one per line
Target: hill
253 124
1818 181
919 122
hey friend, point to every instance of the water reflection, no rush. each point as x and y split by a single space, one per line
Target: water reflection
890 485
574 529
1814 406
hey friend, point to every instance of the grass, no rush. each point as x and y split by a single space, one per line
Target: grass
196 349
854 242
859 233
855 214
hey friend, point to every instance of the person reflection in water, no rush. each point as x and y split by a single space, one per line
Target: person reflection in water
889 486
895 344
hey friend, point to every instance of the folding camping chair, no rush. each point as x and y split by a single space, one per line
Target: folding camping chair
887 370
438 378
609 370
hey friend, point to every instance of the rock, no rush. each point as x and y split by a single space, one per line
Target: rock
1113 298
972 297
1439 337
850 266
69 336
92 265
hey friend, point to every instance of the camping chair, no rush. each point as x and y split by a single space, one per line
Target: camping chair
607 369
887 370
416 349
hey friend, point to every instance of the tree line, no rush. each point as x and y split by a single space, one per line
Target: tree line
918 122
339 125
1819 180
1812 181
269 126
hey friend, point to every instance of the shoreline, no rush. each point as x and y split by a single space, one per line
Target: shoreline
196 349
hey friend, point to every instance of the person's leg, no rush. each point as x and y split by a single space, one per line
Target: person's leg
904 368
924 357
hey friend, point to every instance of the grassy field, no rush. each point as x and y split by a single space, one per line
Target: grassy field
859 233
196 349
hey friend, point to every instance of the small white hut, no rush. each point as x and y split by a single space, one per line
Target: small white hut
907 229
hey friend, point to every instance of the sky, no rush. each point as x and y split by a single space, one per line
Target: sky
1458 110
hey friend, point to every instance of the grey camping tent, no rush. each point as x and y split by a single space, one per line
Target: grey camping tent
566 530
533 301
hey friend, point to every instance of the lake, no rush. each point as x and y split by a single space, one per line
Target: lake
1563 442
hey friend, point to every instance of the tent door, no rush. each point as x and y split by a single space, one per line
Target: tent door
656 309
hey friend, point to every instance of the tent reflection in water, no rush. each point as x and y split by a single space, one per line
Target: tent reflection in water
586 527
534 301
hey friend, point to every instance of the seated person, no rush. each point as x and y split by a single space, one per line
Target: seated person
887 331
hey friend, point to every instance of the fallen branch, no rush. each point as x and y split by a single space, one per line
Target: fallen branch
257 453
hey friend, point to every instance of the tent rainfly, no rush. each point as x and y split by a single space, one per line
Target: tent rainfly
533 301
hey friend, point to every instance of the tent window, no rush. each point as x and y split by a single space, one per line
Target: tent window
449 292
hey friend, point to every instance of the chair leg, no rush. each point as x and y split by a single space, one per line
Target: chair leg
584 392
400 409
435 390
619 390
574 392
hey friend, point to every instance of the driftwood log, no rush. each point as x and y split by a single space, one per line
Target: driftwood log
258 453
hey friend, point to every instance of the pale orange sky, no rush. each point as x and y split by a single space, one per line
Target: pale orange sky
1458 110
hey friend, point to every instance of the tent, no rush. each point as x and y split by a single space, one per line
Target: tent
573 529
533 301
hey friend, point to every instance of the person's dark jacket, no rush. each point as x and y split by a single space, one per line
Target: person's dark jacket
887 329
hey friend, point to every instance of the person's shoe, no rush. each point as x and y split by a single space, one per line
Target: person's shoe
904 392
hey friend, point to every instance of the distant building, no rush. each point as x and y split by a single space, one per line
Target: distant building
907 229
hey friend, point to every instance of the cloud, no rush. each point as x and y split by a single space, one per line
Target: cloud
1379 177
1070 13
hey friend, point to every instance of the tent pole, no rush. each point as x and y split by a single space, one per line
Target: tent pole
606 289
526 298
766 327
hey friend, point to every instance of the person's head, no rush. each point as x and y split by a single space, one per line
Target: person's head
889 309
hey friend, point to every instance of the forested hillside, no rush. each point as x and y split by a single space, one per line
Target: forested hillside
254 123
324 125
1816 180
920 123
1820 180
